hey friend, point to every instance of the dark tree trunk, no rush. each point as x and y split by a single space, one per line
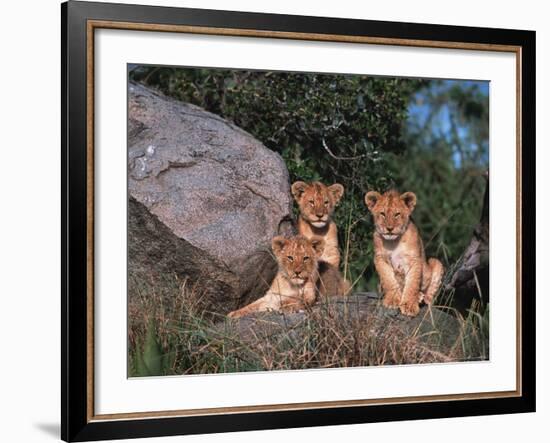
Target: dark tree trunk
470 279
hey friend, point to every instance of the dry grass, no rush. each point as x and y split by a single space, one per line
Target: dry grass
171 333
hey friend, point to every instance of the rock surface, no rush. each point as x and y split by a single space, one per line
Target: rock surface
218 195
433 328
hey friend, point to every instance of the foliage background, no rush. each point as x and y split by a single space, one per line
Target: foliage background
421 135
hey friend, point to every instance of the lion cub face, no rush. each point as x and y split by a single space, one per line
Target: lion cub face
391 212
297 257
317 201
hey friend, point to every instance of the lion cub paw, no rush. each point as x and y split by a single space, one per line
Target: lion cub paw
410 309
426 298
392 300
236 314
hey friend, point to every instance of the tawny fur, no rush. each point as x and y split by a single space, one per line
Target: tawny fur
330 282
297 282
406 277
316 203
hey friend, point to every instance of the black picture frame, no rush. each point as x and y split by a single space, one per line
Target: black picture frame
76 422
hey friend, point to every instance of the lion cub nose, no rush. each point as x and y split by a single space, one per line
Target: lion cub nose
319 215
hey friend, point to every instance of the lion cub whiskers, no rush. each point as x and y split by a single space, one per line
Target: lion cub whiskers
300 279
294 286
406 277
316 203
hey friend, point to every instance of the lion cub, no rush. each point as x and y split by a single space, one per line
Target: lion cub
297 282
316 202
406 278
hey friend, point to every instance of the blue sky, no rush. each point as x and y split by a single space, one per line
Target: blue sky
421 106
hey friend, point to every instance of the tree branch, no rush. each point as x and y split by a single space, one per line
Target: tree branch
336 157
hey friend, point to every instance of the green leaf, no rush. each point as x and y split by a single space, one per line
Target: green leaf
140 369
152 355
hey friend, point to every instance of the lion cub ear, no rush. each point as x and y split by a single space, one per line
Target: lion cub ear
409 198
297 189
337 191
318 245
371 198
278 243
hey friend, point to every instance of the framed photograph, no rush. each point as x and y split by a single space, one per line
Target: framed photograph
279 221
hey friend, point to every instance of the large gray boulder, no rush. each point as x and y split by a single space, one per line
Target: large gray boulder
215 191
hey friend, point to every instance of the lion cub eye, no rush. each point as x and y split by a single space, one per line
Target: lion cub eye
383 214
397 214
312 203
306 258
326 202
290 258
